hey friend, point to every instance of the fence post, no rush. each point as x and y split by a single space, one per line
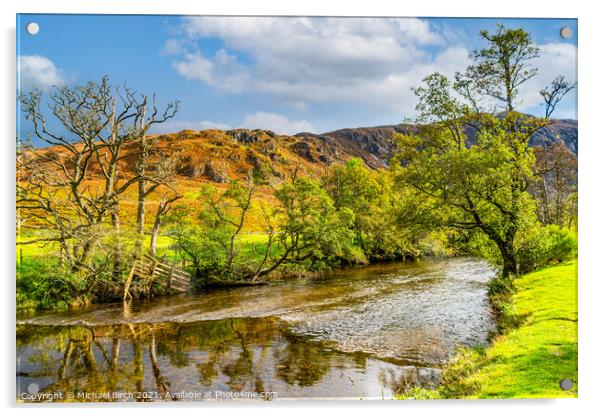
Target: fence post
173 266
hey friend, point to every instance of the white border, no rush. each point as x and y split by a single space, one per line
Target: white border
590 202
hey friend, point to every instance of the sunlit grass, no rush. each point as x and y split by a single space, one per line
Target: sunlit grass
530 360
253 244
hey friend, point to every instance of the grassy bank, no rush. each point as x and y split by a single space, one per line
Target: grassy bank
42 285
536 347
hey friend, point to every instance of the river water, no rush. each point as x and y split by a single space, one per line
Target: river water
358 333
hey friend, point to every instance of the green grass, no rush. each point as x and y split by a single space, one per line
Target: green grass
530 360
35 249
249 242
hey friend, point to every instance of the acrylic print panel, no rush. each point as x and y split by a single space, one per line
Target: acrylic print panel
269 208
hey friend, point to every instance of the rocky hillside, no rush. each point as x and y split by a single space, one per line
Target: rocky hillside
375 144
217 156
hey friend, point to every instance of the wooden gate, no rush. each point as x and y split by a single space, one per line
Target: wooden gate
150 277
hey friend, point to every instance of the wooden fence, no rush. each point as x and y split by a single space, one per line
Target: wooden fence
150 277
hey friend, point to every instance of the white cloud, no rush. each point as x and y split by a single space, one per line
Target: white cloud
277 123
369 61
179 125
37 71
222 71
174 47
301 60
195 66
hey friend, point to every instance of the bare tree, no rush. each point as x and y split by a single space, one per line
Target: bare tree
156 169
555 185
554 93
69 188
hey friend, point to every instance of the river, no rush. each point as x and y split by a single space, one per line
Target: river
357 333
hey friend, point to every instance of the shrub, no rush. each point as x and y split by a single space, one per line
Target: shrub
563 244
543 245
457 380
43 284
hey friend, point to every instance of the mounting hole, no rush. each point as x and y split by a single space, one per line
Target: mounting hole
566 384
566 33
32 28
33 388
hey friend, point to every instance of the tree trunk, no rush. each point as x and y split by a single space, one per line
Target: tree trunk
117 261
155 234
141 213
141 205
510 266
142 191
506 247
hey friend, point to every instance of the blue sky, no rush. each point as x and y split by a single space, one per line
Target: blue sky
284 74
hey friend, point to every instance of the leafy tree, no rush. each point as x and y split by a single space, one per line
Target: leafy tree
192 240
213 237
225 214
555 185
502 66
353 187
380 215
481 183
310 230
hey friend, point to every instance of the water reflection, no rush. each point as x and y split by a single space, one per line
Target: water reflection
159 361
355 333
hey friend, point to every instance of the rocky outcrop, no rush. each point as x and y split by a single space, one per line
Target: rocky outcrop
375 146
215 174
220 156
303 148
246 136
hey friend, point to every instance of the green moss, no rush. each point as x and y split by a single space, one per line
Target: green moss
527 360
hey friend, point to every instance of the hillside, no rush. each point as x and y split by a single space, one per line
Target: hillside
375 143
217 156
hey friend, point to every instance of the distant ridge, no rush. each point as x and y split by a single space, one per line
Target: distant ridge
221 155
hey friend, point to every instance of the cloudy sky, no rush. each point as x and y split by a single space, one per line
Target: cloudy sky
284 74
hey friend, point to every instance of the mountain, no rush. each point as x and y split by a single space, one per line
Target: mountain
218 156
374 141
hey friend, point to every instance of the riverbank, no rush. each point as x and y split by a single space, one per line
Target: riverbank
535 349
42 285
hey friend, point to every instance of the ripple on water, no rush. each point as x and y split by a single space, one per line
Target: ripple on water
416 313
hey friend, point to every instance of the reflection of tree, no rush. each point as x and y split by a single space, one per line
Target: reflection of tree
83 362
226 336
115 346
91 359
240 371
302 363
208 370
114 358
161 382
174 346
